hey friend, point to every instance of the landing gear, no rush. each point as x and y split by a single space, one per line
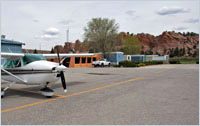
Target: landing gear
46 91
3 90
2 93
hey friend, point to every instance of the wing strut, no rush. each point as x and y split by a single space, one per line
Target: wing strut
13 75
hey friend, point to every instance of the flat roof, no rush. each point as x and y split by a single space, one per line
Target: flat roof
6 41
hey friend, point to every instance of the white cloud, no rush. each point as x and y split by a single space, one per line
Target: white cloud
51 31
180 28
130 12
192 20
48 37
171 10
76 14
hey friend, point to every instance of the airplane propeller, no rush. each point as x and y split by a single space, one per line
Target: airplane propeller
60 69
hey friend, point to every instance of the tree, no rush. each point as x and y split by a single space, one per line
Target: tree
165 51
101 33
180 53
157 53
184 34
196 53
35 51
151 45
52 50
183 53
171 54
77 45
176 52
132 45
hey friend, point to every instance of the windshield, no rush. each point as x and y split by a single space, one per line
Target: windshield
102 60
28 58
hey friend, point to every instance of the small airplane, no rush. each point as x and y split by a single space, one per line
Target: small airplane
34 69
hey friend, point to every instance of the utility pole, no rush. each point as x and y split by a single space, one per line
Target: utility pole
67 33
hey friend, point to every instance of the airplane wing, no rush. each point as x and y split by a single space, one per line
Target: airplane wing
52 56
11 56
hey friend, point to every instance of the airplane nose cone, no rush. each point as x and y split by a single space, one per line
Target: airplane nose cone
61 68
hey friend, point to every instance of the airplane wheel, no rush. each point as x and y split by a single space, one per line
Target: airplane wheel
47 92
2 93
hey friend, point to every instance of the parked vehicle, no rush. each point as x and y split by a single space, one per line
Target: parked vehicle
102 63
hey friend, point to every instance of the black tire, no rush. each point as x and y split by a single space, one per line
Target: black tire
48 96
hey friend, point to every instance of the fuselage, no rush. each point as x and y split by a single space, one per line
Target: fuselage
33 73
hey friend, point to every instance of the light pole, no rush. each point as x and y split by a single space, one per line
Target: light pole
67 35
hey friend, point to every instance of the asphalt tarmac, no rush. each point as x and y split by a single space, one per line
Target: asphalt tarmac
160 94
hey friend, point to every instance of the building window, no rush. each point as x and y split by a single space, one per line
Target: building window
83 59
94 58
77 60
89 60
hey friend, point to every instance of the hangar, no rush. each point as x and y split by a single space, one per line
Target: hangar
11 46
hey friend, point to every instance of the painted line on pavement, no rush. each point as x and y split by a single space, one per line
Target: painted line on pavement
66 96
160 71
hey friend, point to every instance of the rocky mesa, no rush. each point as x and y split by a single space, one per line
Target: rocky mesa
168 43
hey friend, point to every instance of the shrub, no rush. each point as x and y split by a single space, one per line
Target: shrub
138 64
153 62
127 64
141 64
115 65
174 62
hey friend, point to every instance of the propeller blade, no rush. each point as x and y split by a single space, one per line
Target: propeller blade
61 72
63 81
58 55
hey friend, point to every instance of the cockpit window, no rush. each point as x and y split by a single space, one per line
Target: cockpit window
28 58
12 64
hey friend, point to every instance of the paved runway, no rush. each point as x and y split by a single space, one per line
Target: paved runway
161 94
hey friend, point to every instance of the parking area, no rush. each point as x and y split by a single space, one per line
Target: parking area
159 94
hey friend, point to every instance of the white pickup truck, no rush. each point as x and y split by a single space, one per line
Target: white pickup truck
102 63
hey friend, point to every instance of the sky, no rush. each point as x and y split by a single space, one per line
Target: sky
43 24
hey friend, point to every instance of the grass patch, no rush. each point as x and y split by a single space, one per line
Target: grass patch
184 60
